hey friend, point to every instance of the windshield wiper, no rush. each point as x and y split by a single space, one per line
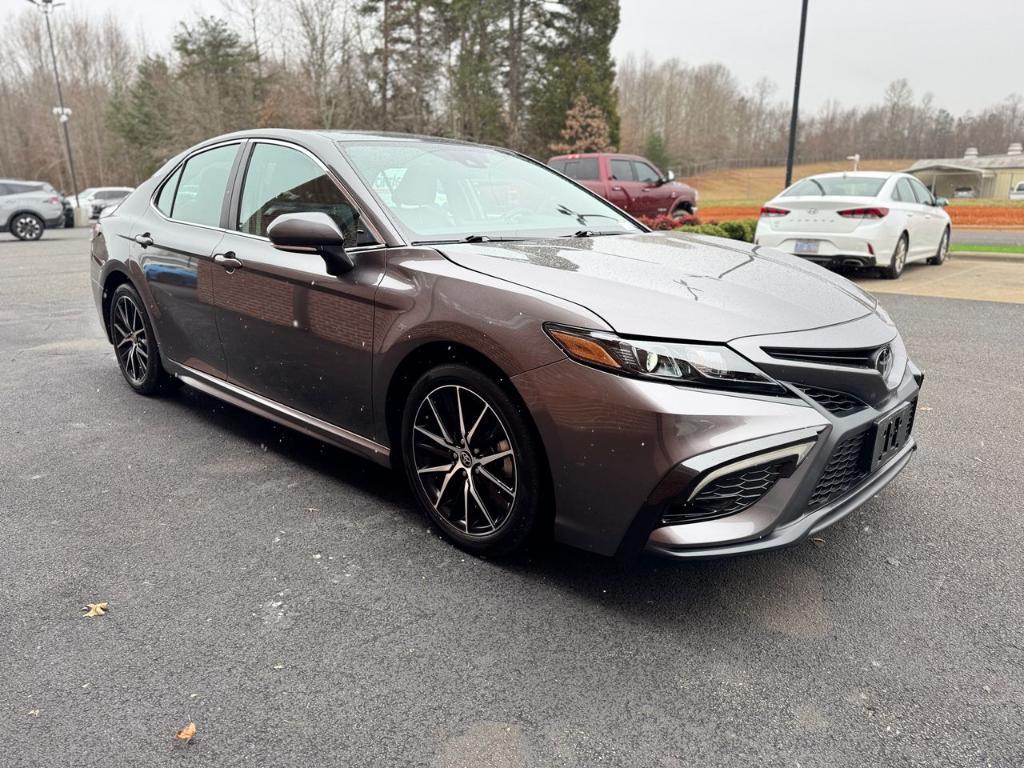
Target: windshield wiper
582 217
591 233
470 239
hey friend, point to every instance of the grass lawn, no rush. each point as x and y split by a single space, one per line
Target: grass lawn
967 247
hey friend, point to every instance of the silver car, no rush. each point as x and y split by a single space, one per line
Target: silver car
29 207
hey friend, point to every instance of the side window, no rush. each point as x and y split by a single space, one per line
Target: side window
283 180
622 170
924 197
903 192
645 173
583 169
204 179
558 165
165 200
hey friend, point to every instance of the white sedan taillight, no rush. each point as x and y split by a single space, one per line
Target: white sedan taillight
864 213
769 212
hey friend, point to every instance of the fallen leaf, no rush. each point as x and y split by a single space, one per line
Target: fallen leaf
818 541
95 609
35 712
187 733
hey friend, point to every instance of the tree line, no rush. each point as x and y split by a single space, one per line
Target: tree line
534 75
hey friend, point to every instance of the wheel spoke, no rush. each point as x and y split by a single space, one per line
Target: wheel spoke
480 502
439 468
437 418
462 420
497 482
125 340
439 440
444 485
465 503
495 456
476 424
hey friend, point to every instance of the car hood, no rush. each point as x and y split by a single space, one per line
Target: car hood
674 285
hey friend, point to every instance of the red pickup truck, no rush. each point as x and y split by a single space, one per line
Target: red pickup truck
633 183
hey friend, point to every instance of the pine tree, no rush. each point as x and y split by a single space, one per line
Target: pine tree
656 151
576 60
586 130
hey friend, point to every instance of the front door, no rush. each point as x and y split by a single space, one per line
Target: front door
175 243
653 198
291 332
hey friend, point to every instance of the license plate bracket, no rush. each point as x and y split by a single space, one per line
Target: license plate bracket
891 433
806 246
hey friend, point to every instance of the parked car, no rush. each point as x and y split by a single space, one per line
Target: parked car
965 193
27 208
89 195
1017 191
104 197
865 219
632 183
532 358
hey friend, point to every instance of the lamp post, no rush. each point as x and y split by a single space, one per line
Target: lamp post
62 113
796 96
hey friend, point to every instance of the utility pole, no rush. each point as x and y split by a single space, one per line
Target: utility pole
796 95
62 112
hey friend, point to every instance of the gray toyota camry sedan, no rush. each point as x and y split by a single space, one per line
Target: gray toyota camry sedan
534 360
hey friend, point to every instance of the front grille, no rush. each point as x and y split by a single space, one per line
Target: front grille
730 493
838 403
844 470
855 358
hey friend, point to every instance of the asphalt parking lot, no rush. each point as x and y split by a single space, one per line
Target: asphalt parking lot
287 598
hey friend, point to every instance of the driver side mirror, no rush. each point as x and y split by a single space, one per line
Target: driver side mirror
670 176
941 202
313 232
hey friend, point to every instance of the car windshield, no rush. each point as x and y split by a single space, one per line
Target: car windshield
445 192
837 186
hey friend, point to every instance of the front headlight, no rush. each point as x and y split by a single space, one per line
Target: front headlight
697 365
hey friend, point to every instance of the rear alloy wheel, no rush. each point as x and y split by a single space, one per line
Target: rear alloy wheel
899 259
27 226
471 459
134 342
943 252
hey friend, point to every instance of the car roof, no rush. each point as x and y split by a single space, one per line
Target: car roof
345 136
854 174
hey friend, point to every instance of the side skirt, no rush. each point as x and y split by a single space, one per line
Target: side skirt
282 414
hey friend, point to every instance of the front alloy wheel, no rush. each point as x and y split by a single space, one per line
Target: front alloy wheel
27 226
471 459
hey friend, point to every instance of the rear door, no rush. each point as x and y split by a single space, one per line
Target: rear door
293 333
931 222
174 243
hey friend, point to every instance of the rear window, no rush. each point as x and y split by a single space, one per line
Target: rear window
837 186
582 169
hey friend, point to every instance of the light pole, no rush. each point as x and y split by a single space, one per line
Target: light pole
62 112
796 96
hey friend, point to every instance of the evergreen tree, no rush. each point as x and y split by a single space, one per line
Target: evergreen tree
656 151
586 130
576 61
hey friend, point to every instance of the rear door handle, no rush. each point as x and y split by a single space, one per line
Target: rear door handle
144 240
227 260
616 189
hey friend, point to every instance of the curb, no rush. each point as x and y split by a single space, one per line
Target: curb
1009 258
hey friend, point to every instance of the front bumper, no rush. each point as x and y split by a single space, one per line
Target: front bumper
622 450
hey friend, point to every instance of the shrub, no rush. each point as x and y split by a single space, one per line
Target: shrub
712 230
666 222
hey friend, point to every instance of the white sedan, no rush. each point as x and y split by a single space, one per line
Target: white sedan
864 219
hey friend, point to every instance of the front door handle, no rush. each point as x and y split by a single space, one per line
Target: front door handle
144 240
227 260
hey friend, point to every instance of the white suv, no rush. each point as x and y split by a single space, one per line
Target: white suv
29 207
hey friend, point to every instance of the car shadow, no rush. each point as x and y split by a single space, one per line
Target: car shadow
781 589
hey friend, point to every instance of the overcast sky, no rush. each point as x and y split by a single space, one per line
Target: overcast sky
968 54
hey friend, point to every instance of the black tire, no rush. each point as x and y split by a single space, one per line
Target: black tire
684 209
458 482
26 226
899 258
135 344
943 251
